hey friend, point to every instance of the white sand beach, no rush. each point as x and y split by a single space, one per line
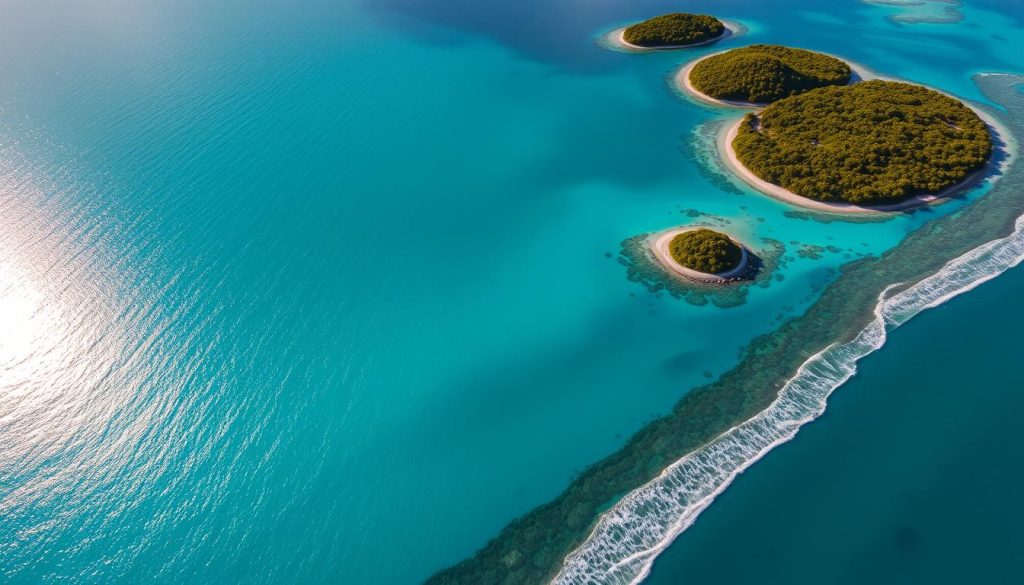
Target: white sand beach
616 39
1000 136
684 86
660 247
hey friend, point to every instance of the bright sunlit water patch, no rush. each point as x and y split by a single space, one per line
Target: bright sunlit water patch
60 338
329 291
87 400
24 323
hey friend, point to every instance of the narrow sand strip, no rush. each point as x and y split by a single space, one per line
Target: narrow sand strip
659 246
616 40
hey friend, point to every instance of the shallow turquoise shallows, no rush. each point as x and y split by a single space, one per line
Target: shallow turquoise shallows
330 291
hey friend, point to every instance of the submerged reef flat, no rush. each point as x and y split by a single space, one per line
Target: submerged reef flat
644 268
923 11
875 142
761 74
534 548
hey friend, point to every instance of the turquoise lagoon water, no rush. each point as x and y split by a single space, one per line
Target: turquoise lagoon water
330 291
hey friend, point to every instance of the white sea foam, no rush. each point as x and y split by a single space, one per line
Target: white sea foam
632 533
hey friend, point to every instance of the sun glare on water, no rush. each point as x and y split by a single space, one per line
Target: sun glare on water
59 340
30 329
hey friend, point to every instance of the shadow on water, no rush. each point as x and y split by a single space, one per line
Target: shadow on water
561 33
543 31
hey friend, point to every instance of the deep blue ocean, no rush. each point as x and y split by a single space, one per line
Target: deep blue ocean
330 291
910 477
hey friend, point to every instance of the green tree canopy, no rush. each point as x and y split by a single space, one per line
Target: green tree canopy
674 29
765 73
705 250
867 143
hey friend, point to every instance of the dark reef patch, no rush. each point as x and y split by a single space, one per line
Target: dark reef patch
643 269
701 148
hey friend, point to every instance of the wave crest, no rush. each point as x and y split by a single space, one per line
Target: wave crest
629 536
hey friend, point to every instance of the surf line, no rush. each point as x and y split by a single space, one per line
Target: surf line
630 535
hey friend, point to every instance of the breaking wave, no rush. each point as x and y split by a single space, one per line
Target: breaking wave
630 535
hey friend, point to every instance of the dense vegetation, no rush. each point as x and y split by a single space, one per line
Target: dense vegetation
705 250
765 73
872 142
674 29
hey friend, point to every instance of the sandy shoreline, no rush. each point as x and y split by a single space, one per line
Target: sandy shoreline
998 133
616 40
728 155
659 246
683 85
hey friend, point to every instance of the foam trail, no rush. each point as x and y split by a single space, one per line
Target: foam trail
628 537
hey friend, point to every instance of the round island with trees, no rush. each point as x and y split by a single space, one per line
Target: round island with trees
870 143
760 74
701 254
672 31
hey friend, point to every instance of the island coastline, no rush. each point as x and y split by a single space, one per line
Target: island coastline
616 41
681 83
683 436
727 154
659 245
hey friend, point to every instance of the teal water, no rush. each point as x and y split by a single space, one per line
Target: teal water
909 477
329 291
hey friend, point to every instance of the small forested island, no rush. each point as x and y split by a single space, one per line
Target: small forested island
674 30
706 251
875 142
766 73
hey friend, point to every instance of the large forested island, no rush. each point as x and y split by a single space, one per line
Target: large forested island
705 250
674 30
766 73
874 142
